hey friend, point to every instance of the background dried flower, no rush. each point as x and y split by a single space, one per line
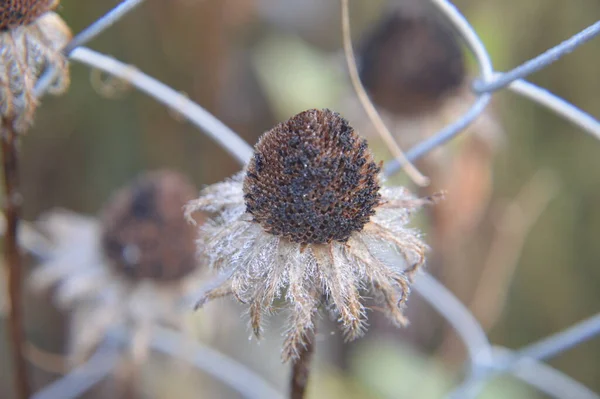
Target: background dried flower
411 61
309 222
132 269
144 233
31 39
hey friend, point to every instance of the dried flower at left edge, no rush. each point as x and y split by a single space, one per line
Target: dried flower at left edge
309 222
130 270
31 39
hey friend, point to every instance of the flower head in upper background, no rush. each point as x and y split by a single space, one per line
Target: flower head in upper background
413 66
412 61
131 269
308 221
31 40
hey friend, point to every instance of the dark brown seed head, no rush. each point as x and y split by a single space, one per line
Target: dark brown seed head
14 13
312 179
145 235
411 61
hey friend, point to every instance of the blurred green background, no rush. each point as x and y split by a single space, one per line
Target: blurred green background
253 63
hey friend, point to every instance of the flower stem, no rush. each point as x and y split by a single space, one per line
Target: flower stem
301 368
12 255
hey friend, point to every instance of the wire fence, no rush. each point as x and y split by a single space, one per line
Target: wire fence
485 361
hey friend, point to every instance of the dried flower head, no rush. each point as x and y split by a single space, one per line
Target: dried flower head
131 269
31 40
309 222
412 60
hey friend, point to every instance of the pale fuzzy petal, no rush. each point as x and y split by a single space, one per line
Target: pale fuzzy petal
218 244
218 197
80 285
303 295
389 286
252 264
272 273
341 286
404 242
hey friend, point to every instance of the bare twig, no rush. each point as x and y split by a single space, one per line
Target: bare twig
374 116
12 256
216 129
30 239
514 225
301 368
49 362
486 72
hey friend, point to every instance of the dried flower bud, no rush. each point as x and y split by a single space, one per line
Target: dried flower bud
31 40
309 223
145 235
411 61
14 13
312 179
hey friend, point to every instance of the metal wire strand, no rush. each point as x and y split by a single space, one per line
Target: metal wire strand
561 107
82 378
489 82
101 24
524 364
562 341
233 374
83 37
215 129
540 62
486 71
546 379
457 315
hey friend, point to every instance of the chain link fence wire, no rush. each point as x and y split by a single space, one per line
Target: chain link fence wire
485 361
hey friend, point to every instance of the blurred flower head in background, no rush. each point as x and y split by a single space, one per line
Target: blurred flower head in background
308 222
31 38
131 269
413 66
411 61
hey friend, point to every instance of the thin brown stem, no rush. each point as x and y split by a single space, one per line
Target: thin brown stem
126 377
301 367
368 106
12 256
